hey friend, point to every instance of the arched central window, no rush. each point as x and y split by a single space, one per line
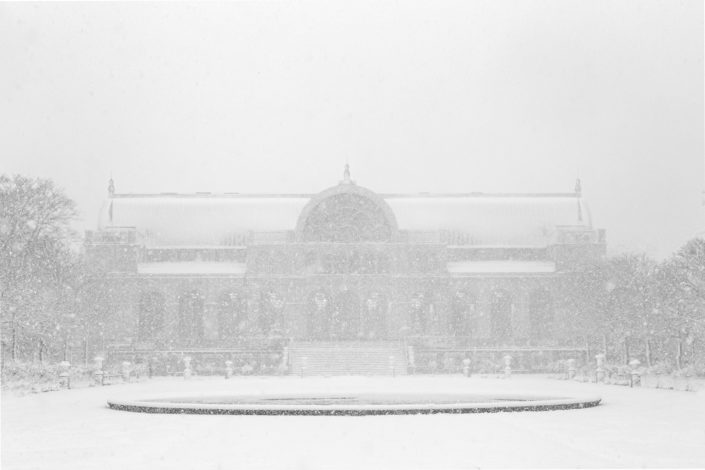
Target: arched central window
347 218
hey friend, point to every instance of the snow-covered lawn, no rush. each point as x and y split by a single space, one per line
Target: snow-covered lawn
632 428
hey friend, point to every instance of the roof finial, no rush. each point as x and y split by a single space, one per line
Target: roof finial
111 186
578 187
580 211
346 173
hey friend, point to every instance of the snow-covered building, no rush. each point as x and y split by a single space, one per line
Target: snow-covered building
214 271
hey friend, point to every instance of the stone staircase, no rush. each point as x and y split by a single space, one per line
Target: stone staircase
347 358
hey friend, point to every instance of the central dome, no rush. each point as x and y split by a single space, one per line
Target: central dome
346 213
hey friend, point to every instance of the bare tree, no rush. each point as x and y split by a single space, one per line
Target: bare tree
35 233
681 287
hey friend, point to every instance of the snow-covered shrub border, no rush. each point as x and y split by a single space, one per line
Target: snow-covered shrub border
19 376
661 375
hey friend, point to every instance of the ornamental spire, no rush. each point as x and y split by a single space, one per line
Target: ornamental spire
580 212
111 186
346 174
578 194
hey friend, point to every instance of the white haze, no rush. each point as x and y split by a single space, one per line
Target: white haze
452 96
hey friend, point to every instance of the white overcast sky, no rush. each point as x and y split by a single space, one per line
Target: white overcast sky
511 96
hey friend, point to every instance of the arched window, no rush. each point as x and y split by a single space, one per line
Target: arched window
271 312
540 314
312 262
231 316
418 306
623 306
191 307
463 321
501 316
373 321
151 315
263 262
383 263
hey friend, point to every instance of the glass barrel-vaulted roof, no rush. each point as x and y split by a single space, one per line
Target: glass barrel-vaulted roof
345 213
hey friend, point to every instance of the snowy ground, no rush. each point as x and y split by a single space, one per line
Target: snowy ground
74 429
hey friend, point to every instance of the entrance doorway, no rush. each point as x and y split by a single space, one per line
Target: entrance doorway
345 323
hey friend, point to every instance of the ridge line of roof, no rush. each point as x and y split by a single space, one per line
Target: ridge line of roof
308 196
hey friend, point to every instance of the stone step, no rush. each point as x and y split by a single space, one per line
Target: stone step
347 358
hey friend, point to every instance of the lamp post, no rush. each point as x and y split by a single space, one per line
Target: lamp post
600 373
64 374
187 367
69 324
126 371
507 366
98 372
304 363
635 373
571 369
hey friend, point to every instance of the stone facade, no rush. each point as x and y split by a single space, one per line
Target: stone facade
355 265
